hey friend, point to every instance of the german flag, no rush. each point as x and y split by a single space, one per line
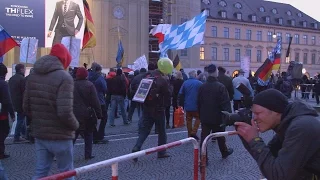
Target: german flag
89 38
177 63
264 71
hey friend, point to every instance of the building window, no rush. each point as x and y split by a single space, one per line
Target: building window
226 32
293 22
279 35
237 33
280 21
313 40
288 37
305 39
289 13
224 14
248 53
296 39
261 9
184 52
226 54
254 18
223 3
239 16
296 58
238 5
259 35
214 54
313 58
269 37
201 53
274 11
299 14
214 31
305 58
316 25
268 20
237 54
304 23
249 34
259 55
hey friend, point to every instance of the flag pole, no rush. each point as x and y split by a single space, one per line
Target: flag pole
27 52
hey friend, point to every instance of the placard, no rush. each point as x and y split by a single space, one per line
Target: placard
143 90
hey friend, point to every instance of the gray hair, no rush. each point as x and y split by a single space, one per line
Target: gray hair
192 74
178 75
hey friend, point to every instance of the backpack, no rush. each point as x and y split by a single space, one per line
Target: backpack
153 98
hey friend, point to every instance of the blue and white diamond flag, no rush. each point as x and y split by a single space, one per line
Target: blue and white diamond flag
185 35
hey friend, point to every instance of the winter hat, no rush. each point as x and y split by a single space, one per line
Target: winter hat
61 52
3 70
272 99
82 73
212 70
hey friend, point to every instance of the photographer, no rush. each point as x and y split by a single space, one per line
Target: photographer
294 151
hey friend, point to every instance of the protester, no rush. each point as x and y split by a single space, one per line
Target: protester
48 99
294 151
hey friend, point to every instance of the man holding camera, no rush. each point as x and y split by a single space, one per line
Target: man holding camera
294 151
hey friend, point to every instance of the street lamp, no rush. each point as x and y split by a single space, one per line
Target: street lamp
274 34
304 70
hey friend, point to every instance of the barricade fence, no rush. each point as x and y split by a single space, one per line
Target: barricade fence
114 162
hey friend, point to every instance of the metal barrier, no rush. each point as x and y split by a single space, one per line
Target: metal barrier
204 150
115 161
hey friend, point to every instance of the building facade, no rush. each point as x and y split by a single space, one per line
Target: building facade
237 28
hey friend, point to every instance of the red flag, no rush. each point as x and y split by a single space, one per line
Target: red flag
89 38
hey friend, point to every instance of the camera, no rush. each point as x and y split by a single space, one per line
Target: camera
243 114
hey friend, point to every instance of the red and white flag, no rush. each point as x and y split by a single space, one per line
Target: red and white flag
159 31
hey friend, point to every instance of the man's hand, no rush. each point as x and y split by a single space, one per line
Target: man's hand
76 32
49 34
247 131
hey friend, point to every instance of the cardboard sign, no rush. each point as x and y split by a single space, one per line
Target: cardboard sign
143 90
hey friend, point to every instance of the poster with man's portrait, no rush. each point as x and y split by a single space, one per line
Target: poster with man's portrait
63 18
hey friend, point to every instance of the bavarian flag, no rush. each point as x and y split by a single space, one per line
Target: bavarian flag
275 56
89 37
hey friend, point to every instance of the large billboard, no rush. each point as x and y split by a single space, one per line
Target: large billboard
47 20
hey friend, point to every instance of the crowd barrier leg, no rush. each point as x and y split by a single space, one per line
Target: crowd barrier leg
204 150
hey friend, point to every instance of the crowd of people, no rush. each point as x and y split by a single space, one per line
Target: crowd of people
53 107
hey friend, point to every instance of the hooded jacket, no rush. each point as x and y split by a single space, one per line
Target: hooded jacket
101 85
48 99
294 151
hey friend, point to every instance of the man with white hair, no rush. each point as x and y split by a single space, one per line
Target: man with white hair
189 92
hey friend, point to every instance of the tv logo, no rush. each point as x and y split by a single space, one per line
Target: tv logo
19 11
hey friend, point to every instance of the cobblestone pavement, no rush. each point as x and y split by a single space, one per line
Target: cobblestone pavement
238 166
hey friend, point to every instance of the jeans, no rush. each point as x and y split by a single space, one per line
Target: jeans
115 100
151 116
133 106
4 131
99 135
46 150
21 126
3 175
88 138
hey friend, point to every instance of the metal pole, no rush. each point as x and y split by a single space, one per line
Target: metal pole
204 150
27 52
115 171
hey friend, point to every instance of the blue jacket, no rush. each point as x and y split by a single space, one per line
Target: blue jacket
236 82
189 90
100 84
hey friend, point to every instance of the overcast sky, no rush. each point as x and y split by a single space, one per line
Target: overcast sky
307 6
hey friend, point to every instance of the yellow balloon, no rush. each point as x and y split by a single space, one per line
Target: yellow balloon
165 65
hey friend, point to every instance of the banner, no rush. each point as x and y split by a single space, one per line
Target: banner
45 20
73 45
28 50
141 62
245 65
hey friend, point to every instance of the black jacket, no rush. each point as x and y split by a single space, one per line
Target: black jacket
85 95
135 84
213 98
294 150
117 86
5 100
177 83
17 84
227 82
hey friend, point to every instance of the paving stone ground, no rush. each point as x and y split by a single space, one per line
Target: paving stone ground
238 166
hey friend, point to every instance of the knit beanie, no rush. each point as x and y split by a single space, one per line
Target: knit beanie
82 73
62 53
271 99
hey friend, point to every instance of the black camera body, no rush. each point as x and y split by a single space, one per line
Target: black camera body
243 114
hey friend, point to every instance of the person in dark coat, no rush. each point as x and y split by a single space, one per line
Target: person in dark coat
226 81
85 96
294 151
6 109
176 83
17 85
213 98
